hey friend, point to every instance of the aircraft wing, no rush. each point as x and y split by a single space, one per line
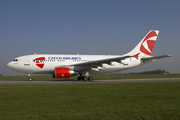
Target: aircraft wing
153 58
97 63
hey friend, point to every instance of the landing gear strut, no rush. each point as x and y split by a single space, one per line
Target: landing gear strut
85 78
30 78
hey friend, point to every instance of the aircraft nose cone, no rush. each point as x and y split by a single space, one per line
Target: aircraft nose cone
9 65
12 66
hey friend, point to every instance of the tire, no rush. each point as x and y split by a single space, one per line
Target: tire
90 78
30 79
85 78
79 78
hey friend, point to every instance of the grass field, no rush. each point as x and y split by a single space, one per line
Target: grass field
115 76
118 101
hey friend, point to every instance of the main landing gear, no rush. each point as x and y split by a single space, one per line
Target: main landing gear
85 78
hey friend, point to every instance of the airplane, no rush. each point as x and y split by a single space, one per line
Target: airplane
65 66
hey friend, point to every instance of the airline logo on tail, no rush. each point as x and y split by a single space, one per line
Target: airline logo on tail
39 62
148 43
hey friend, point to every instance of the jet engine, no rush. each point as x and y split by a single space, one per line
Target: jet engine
61 72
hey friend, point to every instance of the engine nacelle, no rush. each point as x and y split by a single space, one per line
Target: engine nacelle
63 72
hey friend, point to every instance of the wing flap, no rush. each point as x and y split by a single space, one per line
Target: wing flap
98 63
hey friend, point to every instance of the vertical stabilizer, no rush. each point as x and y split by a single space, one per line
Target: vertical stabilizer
146 45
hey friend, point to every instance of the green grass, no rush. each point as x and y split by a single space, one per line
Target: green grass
115 76
118 101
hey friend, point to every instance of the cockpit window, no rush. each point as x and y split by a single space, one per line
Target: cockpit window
15 60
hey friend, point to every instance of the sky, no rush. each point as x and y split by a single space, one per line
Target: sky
93 27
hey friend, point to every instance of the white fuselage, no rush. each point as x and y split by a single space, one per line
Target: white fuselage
31 65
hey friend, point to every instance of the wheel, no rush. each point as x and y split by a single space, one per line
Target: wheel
79 78
90 78
30 79
85 78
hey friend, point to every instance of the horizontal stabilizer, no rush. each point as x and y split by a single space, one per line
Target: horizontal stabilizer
155 57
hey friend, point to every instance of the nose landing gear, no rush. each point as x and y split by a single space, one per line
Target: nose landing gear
30 78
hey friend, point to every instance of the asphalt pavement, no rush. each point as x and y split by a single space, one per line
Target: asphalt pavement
18 82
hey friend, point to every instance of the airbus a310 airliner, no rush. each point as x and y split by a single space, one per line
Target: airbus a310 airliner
64 66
